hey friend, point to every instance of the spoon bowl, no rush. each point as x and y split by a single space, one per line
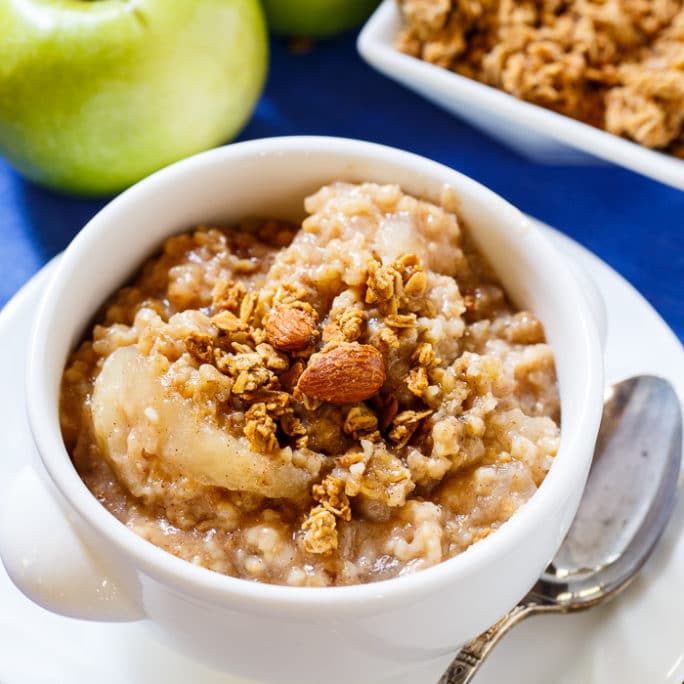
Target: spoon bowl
629 498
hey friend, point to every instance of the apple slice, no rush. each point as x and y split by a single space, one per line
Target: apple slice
137 418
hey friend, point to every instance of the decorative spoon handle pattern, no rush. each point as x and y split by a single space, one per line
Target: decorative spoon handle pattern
467 662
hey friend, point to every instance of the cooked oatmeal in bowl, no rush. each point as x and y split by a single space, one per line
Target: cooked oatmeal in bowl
335 402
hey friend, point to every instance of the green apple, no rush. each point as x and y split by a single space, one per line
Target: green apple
316 18
96 94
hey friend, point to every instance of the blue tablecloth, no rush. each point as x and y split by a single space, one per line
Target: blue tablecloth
634 224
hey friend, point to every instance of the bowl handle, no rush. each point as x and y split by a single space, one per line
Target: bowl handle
49 562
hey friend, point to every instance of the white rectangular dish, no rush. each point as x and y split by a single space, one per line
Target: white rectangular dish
537 133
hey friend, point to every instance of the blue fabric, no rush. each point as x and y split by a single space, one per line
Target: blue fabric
634 224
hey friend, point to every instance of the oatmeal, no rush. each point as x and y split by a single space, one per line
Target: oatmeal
614 64
339 402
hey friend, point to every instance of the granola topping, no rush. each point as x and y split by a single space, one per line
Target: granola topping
320 532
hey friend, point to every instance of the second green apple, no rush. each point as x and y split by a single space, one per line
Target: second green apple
316 18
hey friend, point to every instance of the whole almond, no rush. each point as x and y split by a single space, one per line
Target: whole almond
291 329
345 374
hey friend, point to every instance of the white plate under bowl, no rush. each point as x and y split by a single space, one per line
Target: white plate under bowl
535 132
636 640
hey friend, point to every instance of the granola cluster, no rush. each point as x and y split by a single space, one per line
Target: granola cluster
615 64
265 344
332 404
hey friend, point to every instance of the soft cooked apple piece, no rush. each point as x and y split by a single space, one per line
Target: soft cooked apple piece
131 406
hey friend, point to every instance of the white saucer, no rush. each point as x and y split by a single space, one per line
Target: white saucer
637 639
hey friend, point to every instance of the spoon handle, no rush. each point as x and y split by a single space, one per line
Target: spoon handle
467 662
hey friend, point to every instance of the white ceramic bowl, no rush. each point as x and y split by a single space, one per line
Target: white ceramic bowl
536 133
64 550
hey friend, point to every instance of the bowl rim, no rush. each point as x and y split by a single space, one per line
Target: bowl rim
211 586
373 46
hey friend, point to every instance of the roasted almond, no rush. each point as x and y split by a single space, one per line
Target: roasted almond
345 374
291 329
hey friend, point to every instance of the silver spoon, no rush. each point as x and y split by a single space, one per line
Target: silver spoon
625 507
